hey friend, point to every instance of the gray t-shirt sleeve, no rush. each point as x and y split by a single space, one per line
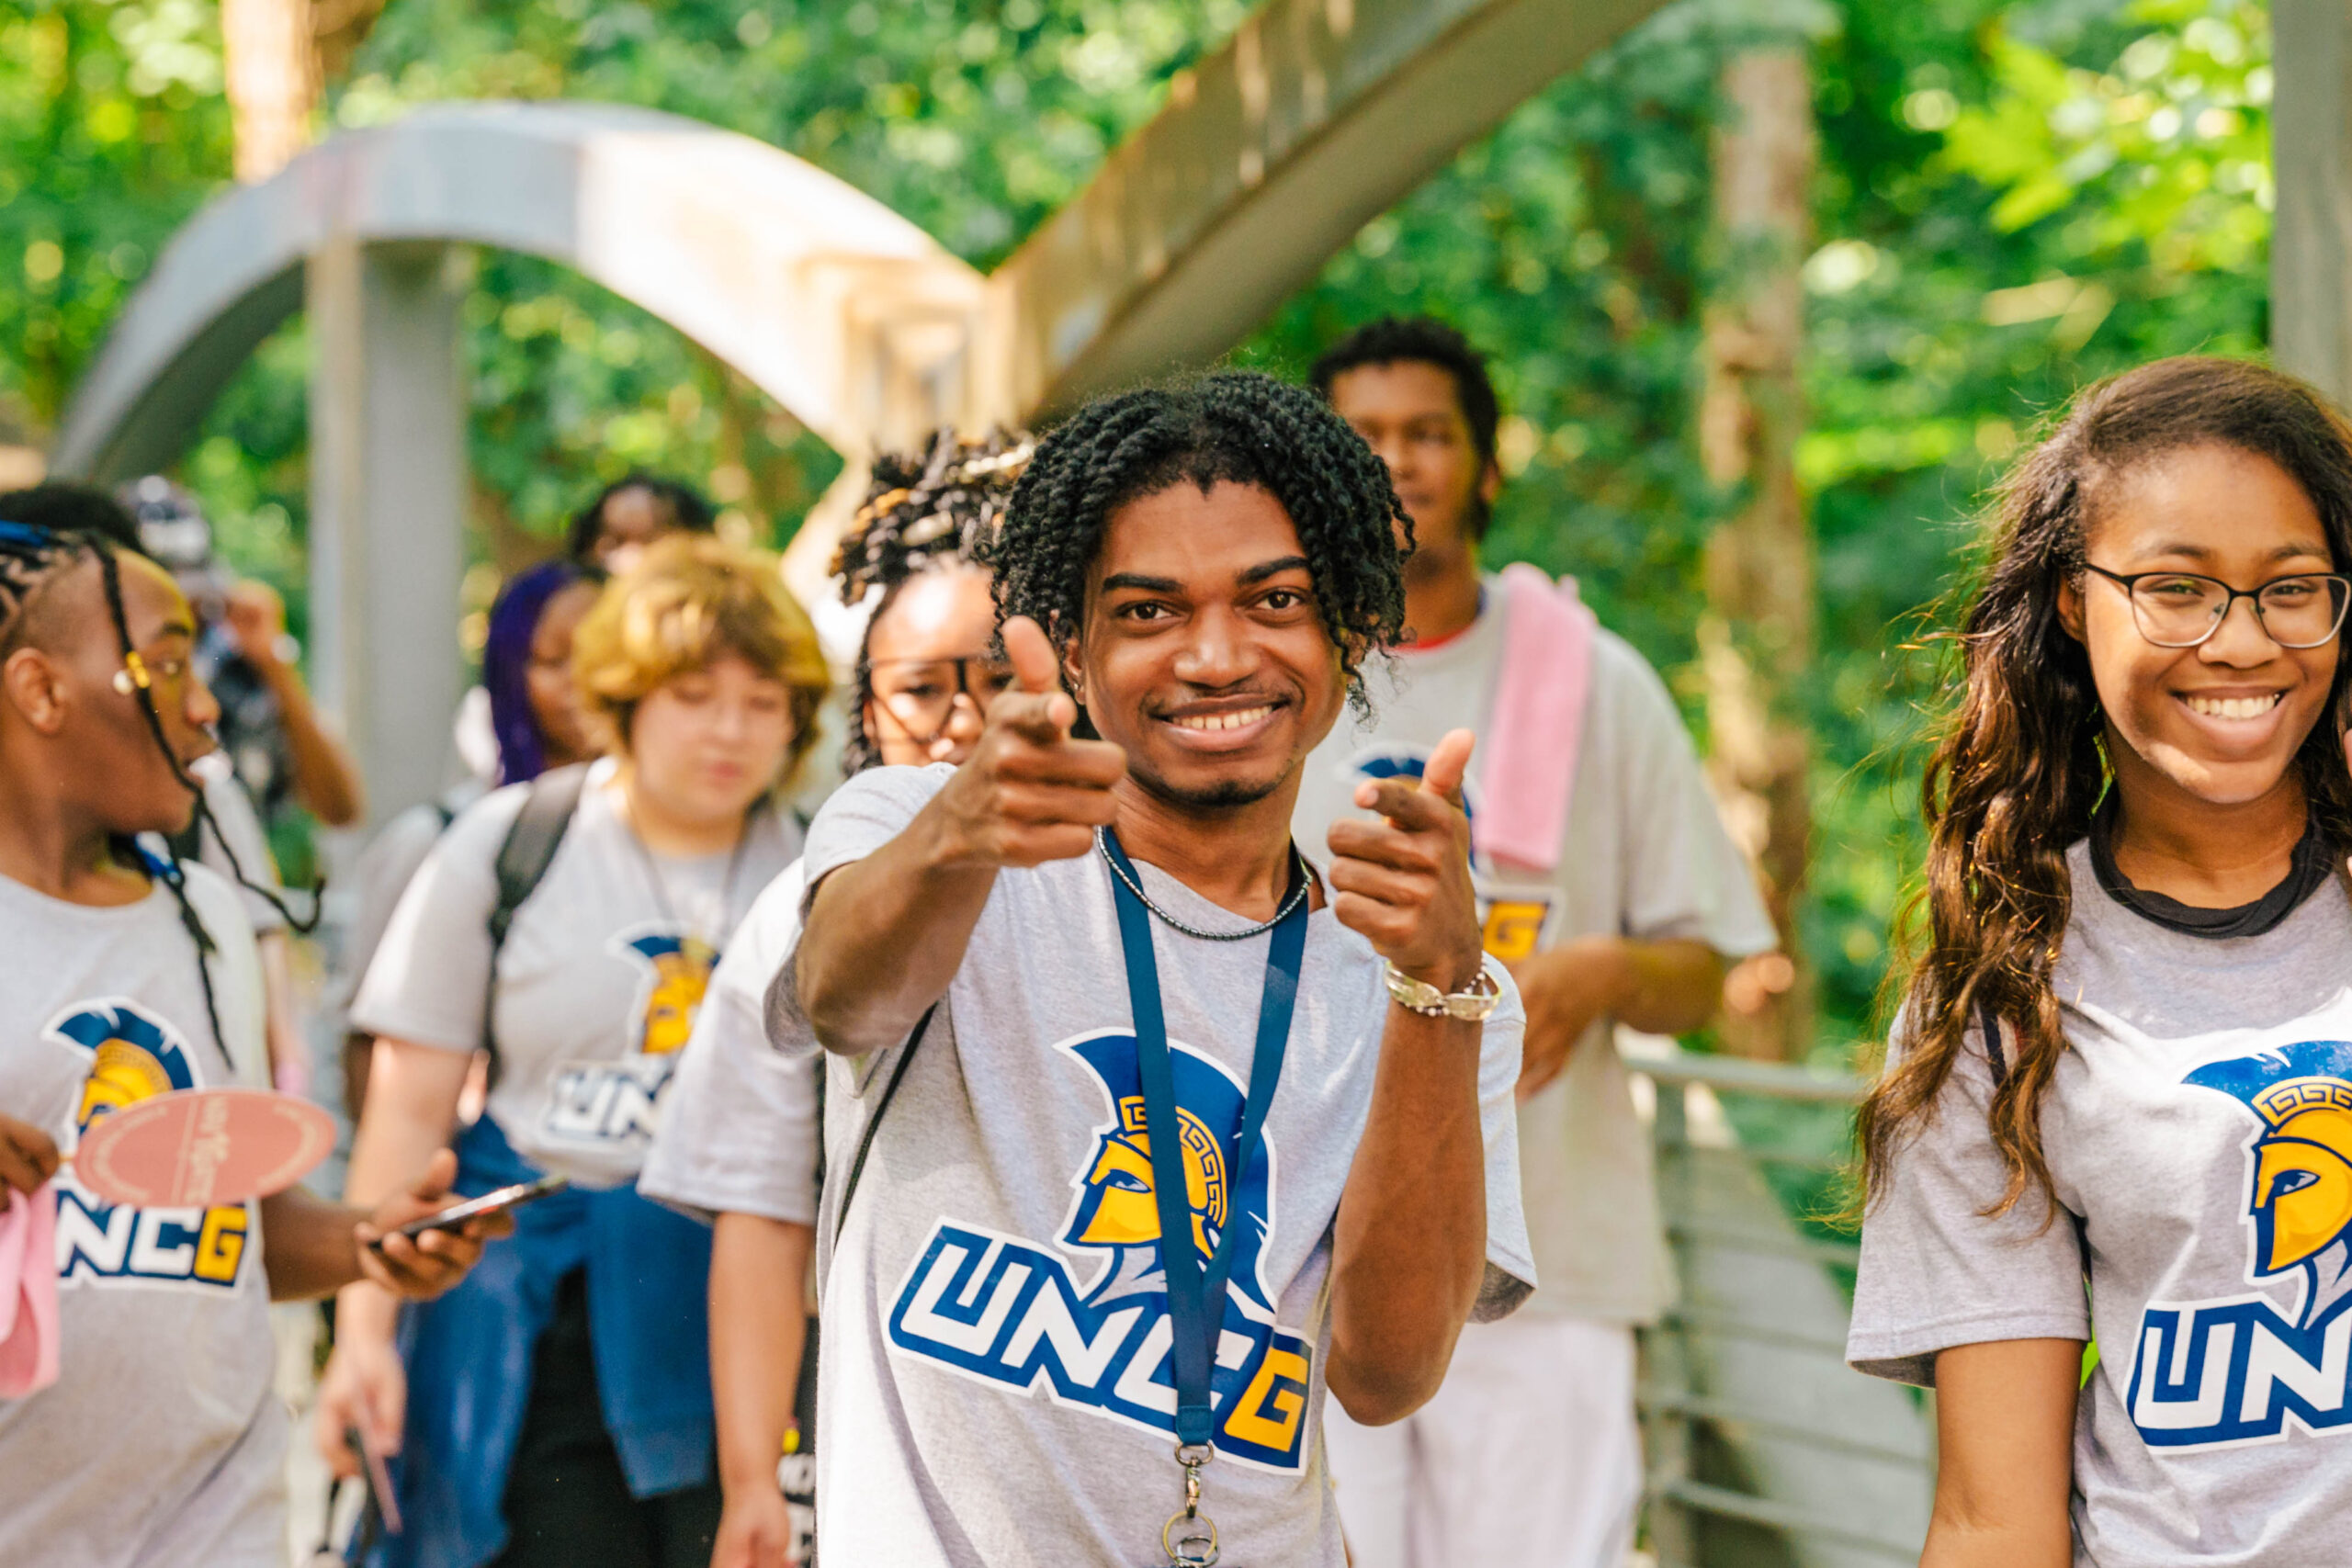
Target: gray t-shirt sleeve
738 1123
430 977
1937 1270
1684 877
860 818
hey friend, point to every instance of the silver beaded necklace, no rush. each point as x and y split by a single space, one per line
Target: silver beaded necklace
1298 893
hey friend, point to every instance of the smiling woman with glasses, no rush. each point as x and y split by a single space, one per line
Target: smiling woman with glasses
2115 1103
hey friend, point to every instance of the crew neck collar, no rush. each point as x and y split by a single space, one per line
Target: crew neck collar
2307 872
1454 638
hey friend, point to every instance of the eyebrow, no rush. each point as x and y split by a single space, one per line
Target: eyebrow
1275 568
1139 583
2200 552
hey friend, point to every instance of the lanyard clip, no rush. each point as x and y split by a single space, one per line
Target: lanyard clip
1190 1535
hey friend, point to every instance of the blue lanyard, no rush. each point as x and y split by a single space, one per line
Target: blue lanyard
1197 1289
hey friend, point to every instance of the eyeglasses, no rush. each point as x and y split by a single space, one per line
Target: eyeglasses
2180 609
920 693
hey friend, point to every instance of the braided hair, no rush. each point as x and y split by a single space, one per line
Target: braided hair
31 557
920 512
1237 426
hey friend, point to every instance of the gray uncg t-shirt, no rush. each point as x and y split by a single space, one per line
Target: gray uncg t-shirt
2199 1133
995 1385
739 1126
161 1442
598 983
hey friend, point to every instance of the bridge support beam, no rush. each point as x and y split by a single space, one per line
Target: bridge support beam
2310 246
388 506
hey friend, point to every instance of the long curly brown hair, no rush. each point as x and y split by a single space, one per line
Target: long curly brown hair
2017 768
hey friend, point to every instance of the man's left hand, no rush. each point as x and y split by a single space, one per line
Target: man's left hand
1404 880
423 1267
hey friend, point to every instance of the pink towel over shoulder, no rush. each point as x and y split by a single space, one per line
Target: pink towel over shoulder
1530 768
28 1292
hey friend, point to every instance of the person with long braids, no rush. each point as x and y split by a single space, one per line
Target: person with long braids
1154 1129
2117 1104
227 836
162 1441
557 1409
738 1137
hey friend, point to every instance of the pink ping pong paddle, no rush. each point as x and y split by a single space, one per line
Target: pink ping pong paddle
195 1148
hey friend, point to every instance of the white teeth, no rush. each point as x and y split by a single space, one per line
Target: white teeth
1223 720
2235 708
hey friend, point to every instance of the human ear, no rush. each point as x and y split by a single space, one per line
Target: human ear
1490 482
2070 606
31 682
1073 672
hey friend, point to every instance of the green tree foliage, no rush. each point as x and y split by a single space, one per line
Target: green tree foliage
2013 199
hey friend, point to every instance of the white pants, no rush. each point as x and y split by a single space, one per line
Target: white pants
1530 1456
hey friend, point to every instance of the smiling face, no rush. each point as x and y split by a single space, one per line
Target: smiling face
708 742
1204 655
2220 722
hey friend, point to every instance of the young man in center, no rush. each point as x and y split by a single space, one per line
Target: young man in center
1053 1335
1606 882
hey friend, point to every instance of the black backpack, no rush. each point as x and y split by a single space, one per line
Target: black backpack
523 861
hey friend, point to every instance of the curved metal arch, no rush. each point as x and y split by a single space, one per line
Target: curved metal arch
773 264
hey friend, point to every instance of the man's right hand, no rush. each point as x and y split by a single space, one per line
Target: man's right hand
1029 794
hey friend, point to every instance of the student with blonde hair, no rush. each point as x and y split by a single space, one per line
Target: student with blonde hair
559 1411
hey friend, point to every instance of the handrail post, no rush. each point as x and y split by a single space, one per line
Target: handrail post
1672 1537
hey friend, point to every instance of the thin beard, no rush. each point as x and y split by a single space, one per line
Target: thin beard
1227 794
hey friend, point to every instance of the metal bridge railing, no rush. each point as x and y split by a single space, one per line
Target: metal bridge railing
1764 1448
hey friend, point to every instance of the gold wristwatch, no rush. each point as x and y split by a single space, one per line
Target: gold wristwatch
1472 1006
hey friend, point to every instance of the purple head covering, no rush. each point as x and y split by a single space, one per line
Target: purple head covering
506 665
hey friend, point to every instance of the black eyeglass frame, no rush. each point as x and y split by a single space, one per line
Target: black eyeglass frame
2128 584
964 662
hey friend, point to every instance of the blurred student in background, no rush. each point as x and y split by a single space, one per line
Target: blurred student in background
739 1132
612 531
559 1411
1607 883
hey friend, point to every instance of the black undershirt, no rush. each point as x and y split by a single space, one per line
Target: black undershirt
2308 871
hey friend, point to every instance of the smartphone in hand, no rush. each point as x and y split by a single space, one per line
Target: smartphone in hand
455 1216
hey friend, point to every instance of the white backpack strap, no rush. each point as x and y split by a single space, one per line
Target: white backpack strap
235 968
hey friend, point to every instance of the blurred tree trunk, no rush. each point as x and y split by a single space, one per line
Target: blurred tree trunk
280 54
1756 636
273 80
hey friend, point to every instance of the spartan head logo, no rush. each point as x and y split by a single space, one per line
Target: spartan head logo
680 968
1117 1204
132 1057
2300 1204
